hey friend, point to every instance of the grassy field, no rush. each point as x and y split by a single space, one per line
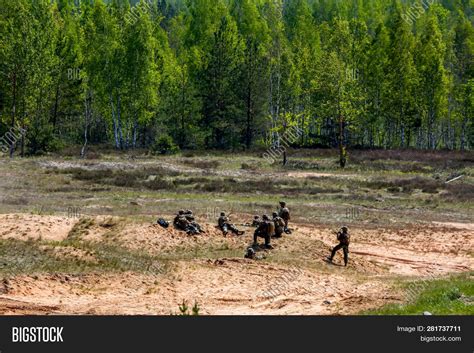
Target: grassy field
381 185
93 217
451 296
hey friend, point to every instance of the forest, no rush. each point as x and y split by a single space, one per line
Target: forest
166 75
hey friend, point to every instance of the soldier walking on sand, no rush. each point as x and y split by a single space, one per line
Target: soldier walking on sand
344 240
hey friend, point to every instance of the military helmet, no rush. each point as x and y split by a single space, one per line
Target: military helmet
274 214
282 203
265 217
181 212
250 252
256 217
344 228
188 212
222 214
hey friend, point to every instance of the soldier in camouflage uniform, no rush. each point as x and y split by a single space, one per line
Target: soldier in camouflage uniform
284 213
279 225
344 240
185 221
178 219
190 217
250 253
256 221
263 231
224 224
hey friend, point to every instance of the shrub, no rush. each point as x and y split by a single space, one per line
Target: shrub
160 184
42 139
213 164
125 180
248 166
164 144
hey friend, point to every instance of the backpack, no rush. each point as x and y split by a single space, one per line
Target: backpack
279 223
271 228
163 223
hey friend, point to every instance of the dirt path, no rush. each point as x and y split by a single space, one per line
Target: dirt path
232 285
414 251
321 175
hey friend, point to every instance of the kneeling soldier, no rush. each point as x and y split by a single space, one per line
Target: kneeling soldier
279 225
263 231
284 213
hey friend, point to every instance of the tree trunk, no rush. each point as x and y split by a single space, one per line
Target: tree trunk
342 148
119 122
135 131
56 104
182 133
12 144
87 113
114 122
248 134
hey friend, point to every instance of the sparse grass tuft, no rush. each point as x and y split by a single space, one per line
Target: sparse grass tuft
184 309
452 296
202 164
32 257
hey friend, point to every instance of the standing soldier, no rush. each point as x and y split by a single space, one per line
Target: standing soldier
344 240
279 225
284 213
263 231
225 225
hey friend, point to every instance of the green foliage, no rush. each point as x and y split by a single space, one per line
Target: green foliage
42 139
237 73
184 309
452 296
164 145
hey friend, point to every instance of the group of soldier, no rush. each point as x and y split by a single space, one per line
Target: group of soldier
185 221
272 228
266 228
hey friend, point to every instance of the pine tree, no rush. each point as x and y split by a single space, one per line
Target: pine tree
222 110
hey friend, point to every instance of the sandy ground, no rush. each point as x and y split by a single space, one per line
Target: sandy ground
233 285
